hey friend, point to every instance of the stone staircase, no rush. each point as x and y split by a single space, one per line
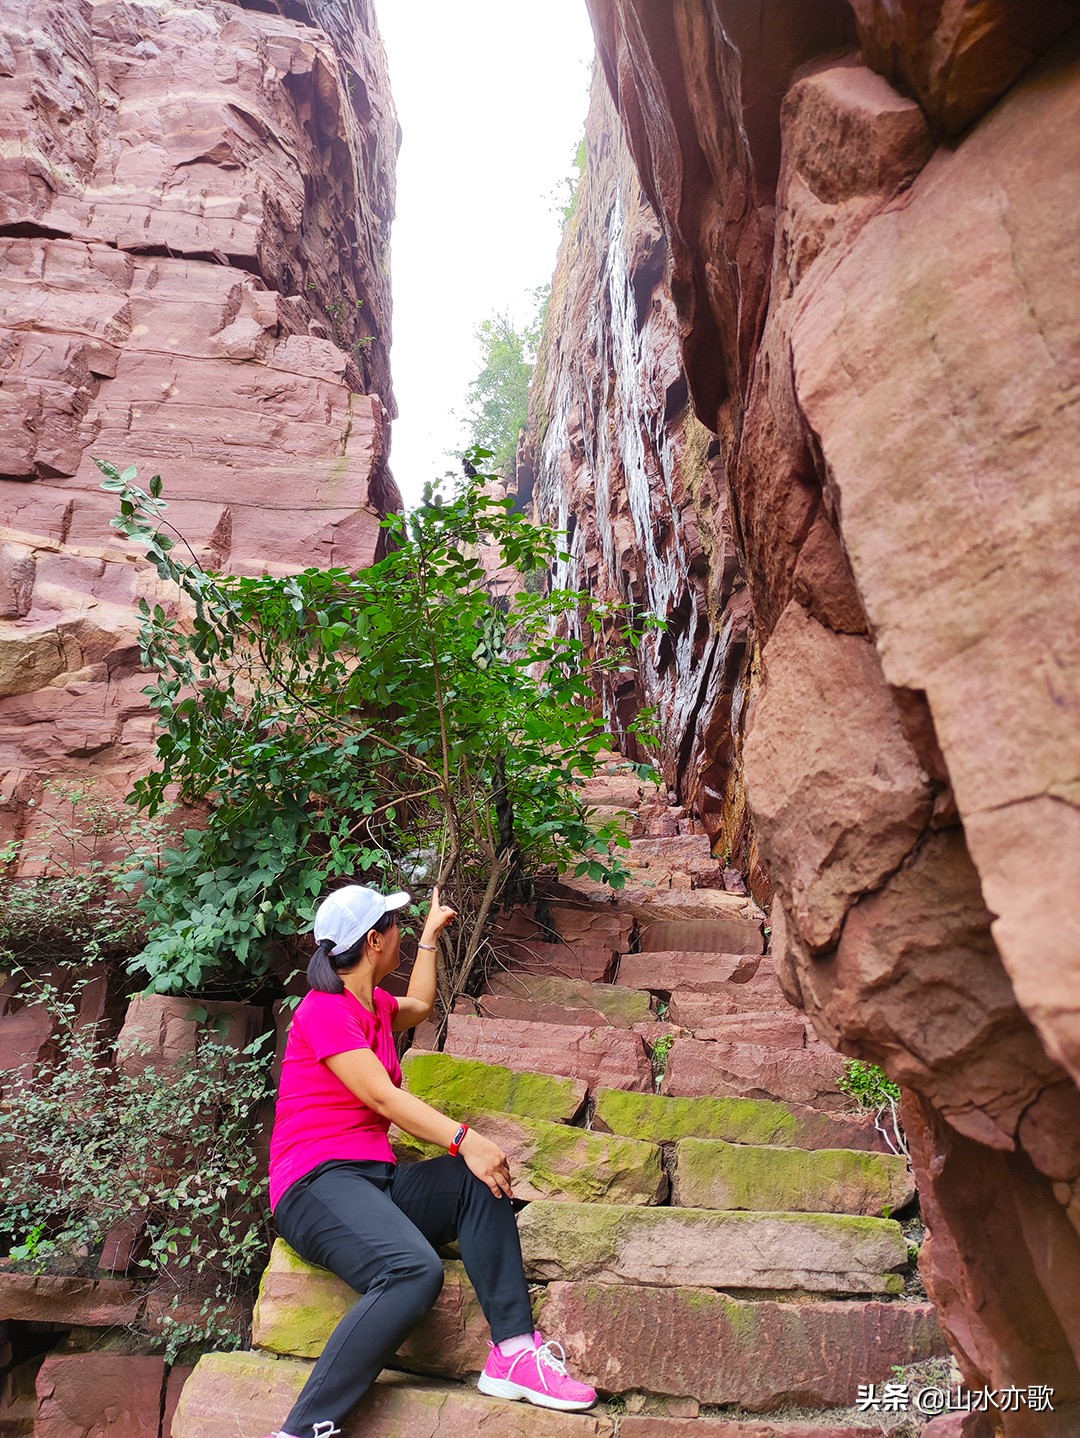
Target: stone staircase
708 1225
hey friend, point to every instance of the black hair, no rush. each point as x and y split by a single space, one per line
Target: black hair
325 969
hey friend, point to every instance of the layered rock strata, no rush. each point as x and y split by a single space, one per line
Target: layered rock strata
615 456
871 214
194 218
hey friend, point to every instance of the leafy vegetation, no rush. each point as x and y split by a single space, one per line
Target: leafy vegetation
498 397
90 1143
68 908
873 1090
386 726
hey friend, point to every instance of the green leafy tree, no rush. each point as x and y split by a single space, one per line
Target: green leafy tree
398 724
499 395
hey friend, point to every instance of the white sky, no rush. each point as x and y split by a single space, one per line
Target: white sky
491 96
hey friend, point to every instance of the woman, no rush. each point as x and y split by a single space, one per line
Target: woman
340 1200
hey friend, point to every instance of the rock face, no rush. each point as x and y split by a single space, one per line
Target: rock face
873 269
194 214
615 455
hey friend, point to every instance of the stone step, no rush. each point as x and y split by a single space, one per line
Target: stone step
568 961
299 1306
697 1068
762 994
615 1057
619 790
250 1393
777 1029
709 920
459 1083
695 1247
615 1004
661 1119
657 1425
499 1006
625 820
719 935
682 862
552 920
70 1300
666 972
712 1174
762 1354
554 1161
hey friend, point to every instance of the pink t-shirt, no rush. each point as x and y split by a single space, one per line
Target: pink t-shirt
317 1117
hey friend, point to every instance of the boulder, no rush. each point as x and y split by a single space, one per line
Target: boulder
452 1083
762 1354
711 1174
957 57
812 1253
660 1118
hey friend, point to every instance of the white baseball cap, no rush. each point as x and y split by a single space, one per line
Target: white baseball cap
346 915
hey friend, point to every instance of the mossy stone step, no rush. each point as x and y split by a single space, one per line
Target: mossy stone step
451 1084
299 1306
662 1119
718 1349
250 1393
680 1247
554 1161
714 1174
620 1006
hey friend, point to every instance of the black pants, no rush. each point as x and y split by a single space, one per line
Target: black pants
375 1225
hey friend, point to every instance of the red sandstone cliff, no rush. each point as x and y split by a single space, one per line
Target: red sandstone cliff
195 204
615 456
871 218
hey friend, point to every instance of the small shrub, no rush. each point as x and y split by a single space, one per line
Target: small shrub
74 908
88 1144
873 1090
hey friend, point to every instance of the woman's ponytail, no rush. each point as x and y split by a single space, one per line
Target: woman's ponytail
321 973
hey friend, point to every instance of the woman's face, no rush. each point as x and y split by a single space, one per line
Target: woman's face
386 950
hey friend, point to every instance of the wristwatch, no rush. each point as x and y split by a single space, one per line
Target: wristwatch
456 1145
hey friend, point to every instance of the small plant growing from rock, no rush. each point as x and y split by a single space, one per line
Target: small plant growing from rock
872 1089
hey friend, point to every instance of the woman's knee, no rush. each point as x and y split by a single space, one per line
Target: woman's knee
424 1273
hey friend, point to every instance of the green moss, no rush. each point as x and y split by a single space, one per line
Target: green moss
453 1083
557 1161
666 1120
714 1174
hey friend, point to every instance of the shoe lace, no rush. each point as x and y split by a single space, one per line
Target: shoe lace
547 1355
325 1429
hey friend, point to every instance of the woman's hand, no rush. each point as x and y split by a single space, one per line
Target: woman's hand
439 916
487 1161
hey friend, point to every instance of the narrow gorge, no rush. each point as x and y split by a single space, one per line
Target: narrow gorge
807 394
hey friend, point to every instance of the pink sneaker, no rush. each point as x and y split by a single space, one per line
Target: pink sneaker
538 1375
